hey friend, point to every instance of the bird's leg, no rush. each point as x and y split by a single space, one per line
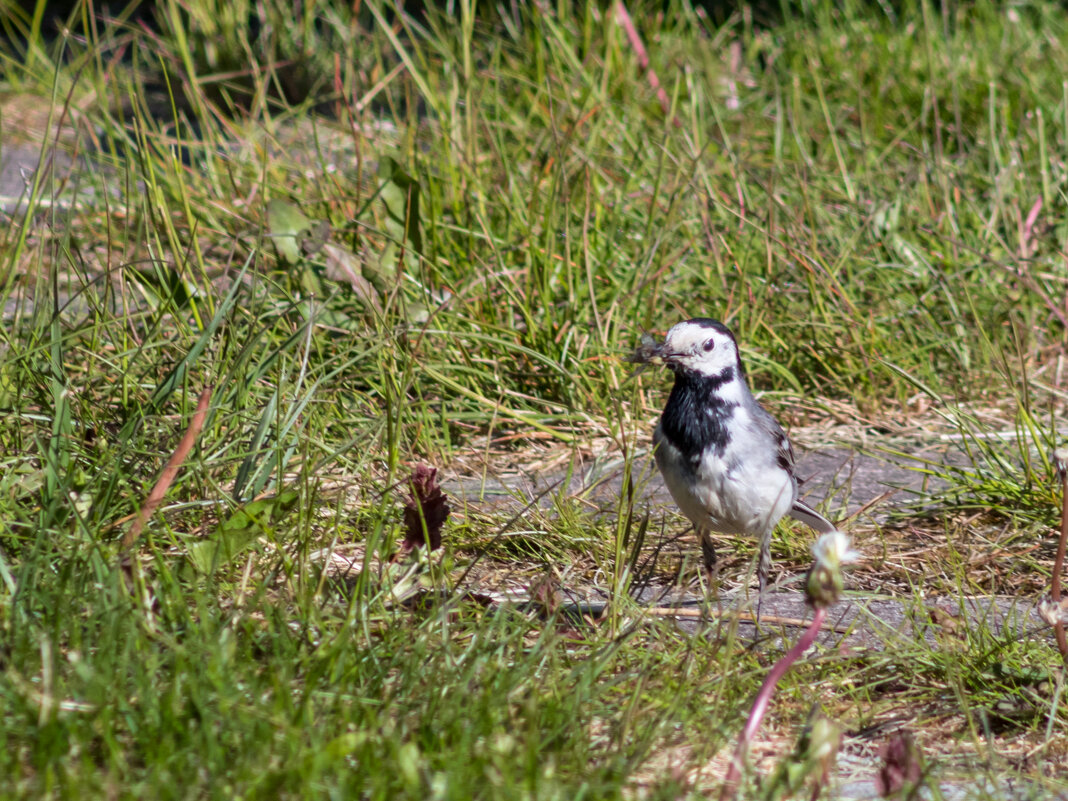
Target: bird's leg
763 569
709 563
708 551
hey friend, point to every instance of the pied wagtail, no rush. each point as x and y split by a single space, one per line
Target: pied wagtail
727 463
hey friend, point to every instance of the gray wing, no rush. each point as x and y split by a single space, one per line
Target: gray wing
784 451
800 510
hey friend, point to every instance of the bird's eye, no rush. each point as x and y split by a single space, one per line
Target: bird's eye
709 345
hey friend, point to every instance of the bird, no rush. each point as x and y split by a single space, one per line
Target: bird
726 461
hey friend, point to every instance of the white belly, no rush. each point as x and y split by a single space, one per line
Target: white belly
723 497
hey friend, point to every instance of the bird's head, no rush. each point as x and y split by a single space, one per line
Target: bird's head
700 346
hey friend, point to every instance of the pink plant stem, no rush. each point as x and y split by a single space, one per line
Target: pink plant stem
643 56
1028 229
1058 562
763 698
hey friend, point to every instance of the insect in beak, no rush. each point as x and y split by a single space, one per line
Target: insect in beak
648 352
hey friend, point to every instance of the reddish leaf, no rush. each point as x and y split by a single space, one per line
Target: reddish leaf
426 600
425 511
543 594
902 769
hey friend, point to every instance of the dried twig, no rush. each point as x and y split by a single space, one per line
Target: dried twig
170 472
712 614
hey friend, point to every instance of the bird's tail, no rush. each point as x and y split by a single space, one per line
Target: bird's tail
811 518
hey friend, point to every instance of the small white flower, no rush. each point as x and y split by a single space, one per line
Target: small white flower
1053 613
834 549
825 582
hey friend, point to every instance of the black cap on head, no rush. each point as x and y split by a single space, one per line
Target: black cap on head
715 325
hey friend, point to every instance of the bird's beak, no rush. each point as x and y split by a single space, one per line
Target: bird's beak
649 351
661 354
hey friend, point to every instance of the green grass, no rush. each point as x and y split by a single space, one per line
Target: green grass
493 208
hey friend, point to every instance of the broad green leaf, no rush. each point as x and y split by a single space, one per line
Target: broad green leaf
287 225
343 266
400 195
242 528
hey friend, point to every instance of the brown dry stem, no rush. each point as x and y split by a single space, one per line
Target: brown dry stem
1060 458
170 471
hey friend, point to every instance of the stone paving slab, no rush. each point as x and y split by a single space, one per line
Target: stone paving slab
849 479
860 621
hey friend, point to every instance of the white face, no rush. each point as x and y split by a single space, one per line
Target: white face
699 346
